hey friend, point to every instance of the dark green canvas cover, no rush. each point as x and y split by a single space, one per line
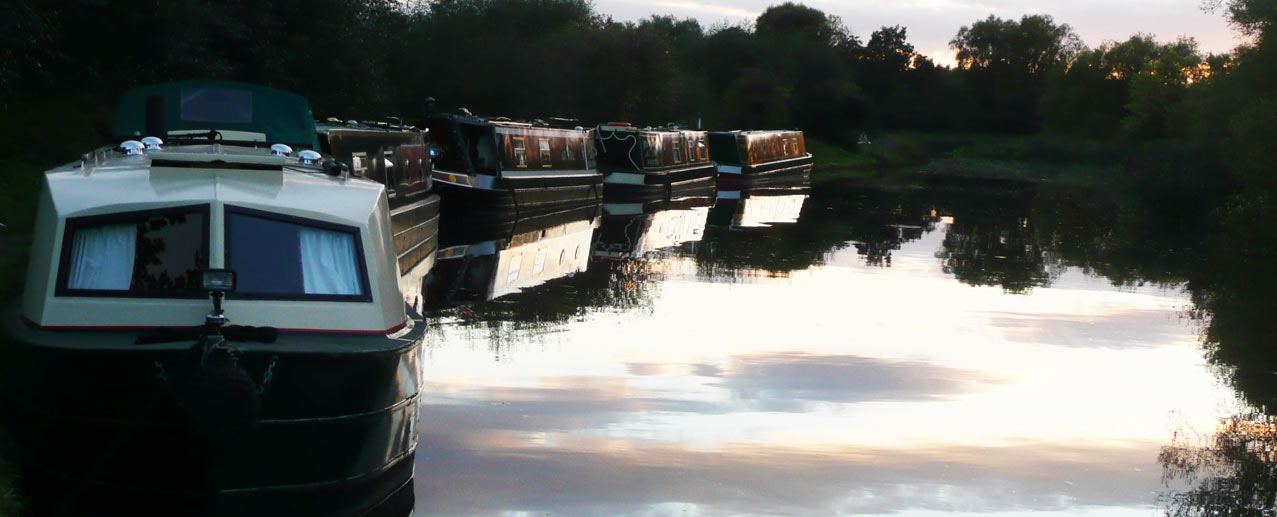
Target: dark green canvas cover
284 118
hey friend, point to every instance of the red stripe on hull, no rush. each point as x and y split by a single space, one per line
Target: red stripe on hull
35 325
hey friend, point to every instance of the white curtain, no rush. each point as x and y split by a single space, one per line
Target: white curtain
328 262
102 257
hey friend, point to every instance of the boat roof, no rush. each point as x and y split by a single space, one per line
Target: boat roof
757 132
283 117
613 126
177 175
503 122
354 125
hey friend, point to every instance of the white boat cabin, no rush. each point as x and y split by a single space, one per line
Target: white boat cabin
122 236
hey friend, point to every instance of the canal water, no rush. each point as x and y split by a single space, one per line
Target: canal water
941 350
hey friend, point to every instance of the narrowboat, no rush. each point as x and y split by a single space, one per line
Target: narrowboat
506 167
652 162
485 261
636 230
212 322
757 156
396 156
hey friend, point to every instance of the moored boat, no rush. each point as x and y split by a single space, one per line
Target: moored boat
652 162
397 157
757 156
127 390
500 166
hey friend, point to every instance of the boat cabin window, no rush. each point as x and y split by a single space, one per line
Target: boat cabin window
359 163
678 150
544 146
479 145
388 160
651 151
443 136
224 105
520 151
279 257
150 254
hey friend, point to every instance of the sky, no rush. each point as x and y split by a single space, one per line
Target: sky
932 23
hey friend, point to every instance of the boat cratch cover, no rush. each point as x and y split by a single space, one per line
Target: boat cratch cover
284 118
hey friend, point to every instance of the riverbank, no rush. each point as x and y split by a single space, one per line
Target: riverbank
903 159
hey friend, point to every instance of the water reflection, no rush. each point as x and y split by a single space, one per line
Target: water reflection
883 351
636 230
484 260
1230 468
761 208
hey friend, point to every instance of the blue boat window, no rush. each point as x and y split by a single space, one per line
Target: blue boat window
219 105
149 254
286 258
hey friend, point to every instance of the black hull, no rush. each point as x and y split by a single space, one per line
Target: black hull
522 196
778 176
689 182
415 228
105 425
754 174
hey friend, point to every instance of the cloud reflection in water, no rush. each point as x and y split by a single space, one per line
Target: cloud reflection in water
843 388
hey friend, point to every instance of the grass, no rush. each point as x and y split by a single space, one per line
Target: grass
913 158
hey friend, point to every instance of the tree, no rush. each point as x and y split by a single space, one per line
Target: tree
1032 45
888 47
1252 17
1158 87
794 20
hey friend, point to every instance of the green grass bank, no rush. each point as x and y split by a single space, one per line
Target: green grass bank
917 158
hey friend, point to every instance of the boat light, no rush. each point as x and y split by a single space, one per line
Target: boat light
152 143
218 280
435 152
309 157
281 150
132 148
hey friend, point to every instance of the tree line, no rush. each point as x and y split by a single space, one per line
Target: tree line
794 66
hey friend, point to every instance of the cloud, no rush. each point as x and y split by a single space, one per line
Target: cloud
464 468
1122 329
783 381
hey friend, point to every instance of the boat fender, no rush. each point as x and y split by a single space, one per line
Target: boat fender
220 399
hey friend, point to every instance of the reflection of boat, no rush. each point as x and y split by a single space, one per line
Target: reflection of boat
395 156
637 229
493 259
512 167
652 162
115 392
753 207
757 156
